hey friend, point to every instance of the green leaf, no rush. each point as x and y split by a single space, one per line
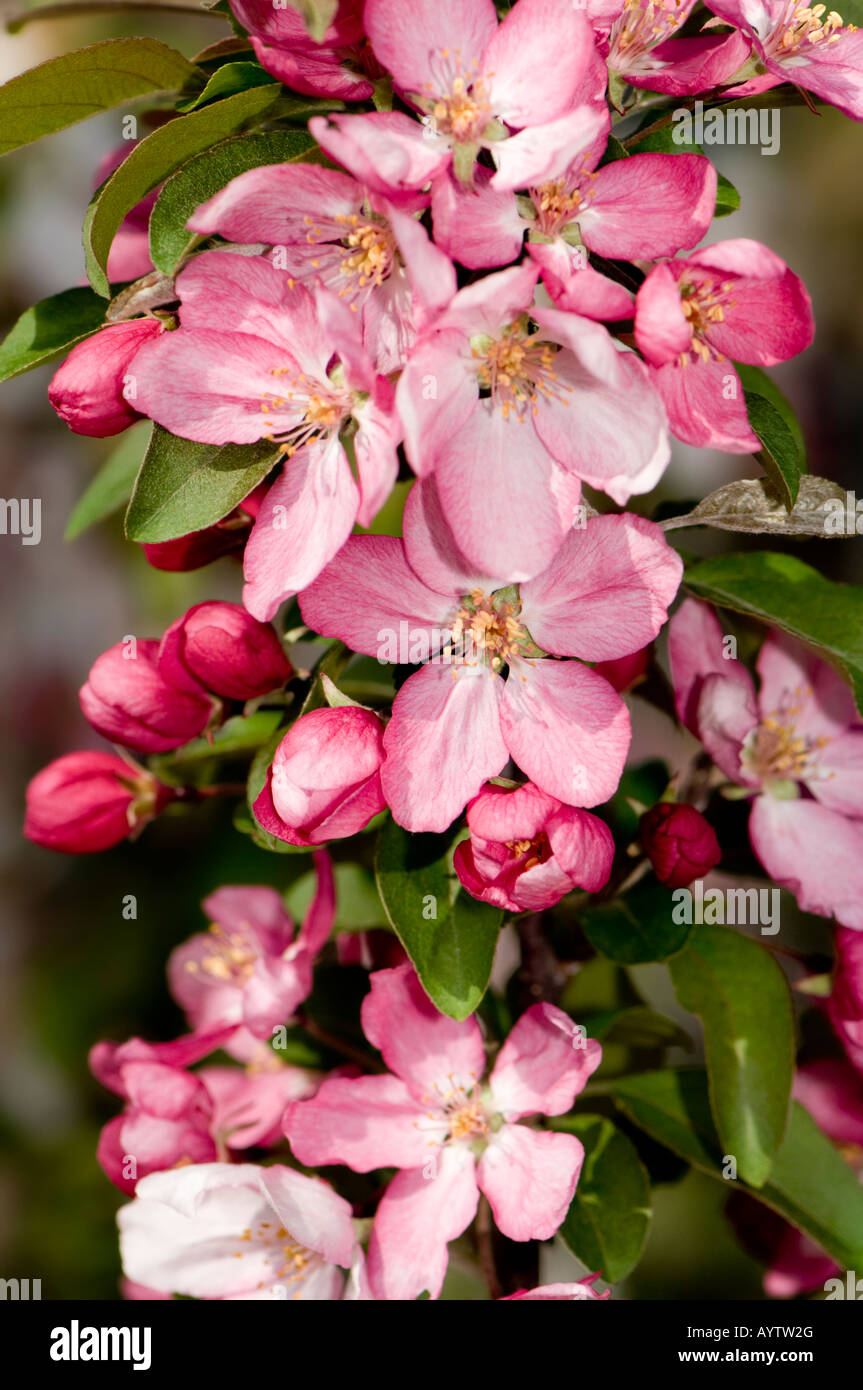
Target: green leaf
810 1184
727 197
758 383
636 928
184 486
449 936
238 736
640 1027
77 85
204 176
153 159
112 485
783 591
358 907
742 998
606 1225
225 82
49 329
779 455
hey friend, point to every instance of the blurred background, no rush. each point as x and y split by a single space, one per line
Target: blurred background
72 969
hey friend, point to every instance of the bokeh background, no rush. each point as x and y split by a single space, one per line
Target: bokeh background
72 969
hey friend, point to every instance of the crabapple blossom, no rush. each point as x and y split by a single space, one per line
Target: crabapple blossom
127 698
680 844
338 66
845 1004
643 47
451 1135
89 801
219 647
88 390
580 1292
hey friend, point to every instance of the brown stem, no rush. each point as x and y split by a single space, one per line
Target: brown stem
338 1044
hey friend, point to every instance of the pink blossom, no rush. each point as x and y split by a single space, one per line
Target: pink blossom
249 972
271 375
451 1135
845 1005
527 850
580 1292
237 1231
796 746
88 390
522 89
324 782
680 844
351 237
733 300
219 647
84 802
457 720
626 671
511 418
803 45
128 700
642 48
339 66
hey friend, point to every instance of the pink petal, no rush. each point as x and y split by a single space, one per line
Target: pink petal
386 150
832 1092
543 1065
408 41
366 1122
583 846
726 715
436 394
577 287
432 1053
431 548
273 204
416 1219
430 271
770 319
315 1216
476 225
706 406
541 151
813 852
675 196
525 87
529 1177
792 675
661 328
695 651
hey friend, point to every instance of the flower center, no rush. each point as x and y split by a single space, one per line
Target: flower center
232 958
704 303
777 753
468 1121
641 27
290 1259
803 26
559 202
533 852
370 251
517 369
322 406
487 629
457 101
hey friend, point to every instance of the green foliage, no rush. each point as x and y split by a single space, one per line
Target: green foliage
49 329
607 1222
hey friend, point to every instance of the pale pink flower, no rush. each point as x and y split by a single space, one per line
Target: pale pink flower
339 66
452 1135
643 48
580 1292
271 374
733 300
457 720
237 1231
796 746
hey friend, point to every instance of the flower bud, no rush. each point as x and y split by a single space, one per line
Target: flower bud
679 843
624 671
325 782
87 391
128 700
89 801
224 649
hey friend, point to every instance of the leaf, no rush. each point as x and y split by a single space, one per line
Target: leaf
758 383
113 483
756 506
184 486
453 950
237 737
727 197
783 591
742 998
225 81
68 89
204 176
606 1225
780 456
153 159
639 1027
636 928
810 1184
49 329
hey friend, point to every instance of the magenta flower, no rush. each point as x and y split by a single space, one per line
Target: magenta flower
527 850
237 1231
327 229
796 746
802 44
271 375
219 647
680 844
522 89
324 782
249 972
84 802
127 699
511 418
339 66
642 47
733 300
452 1135
845 1004
458 720
88 390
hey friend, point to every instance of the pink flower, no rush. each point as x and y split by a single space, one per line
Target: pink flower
88 390
451 1135
271 375
680 844
643 49
324 782
797 747
237 1231
335 67
128 700
733 300
457 721
802 45
510 418
327 229
581 1292
845 1005
527 850
249 972
84 802
219 647
521 89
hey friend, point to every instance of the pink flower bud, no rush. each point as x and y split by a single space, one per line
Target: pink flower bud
624 671
527 850
128 700
224 649
679 843
87 801
325 781
87 391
